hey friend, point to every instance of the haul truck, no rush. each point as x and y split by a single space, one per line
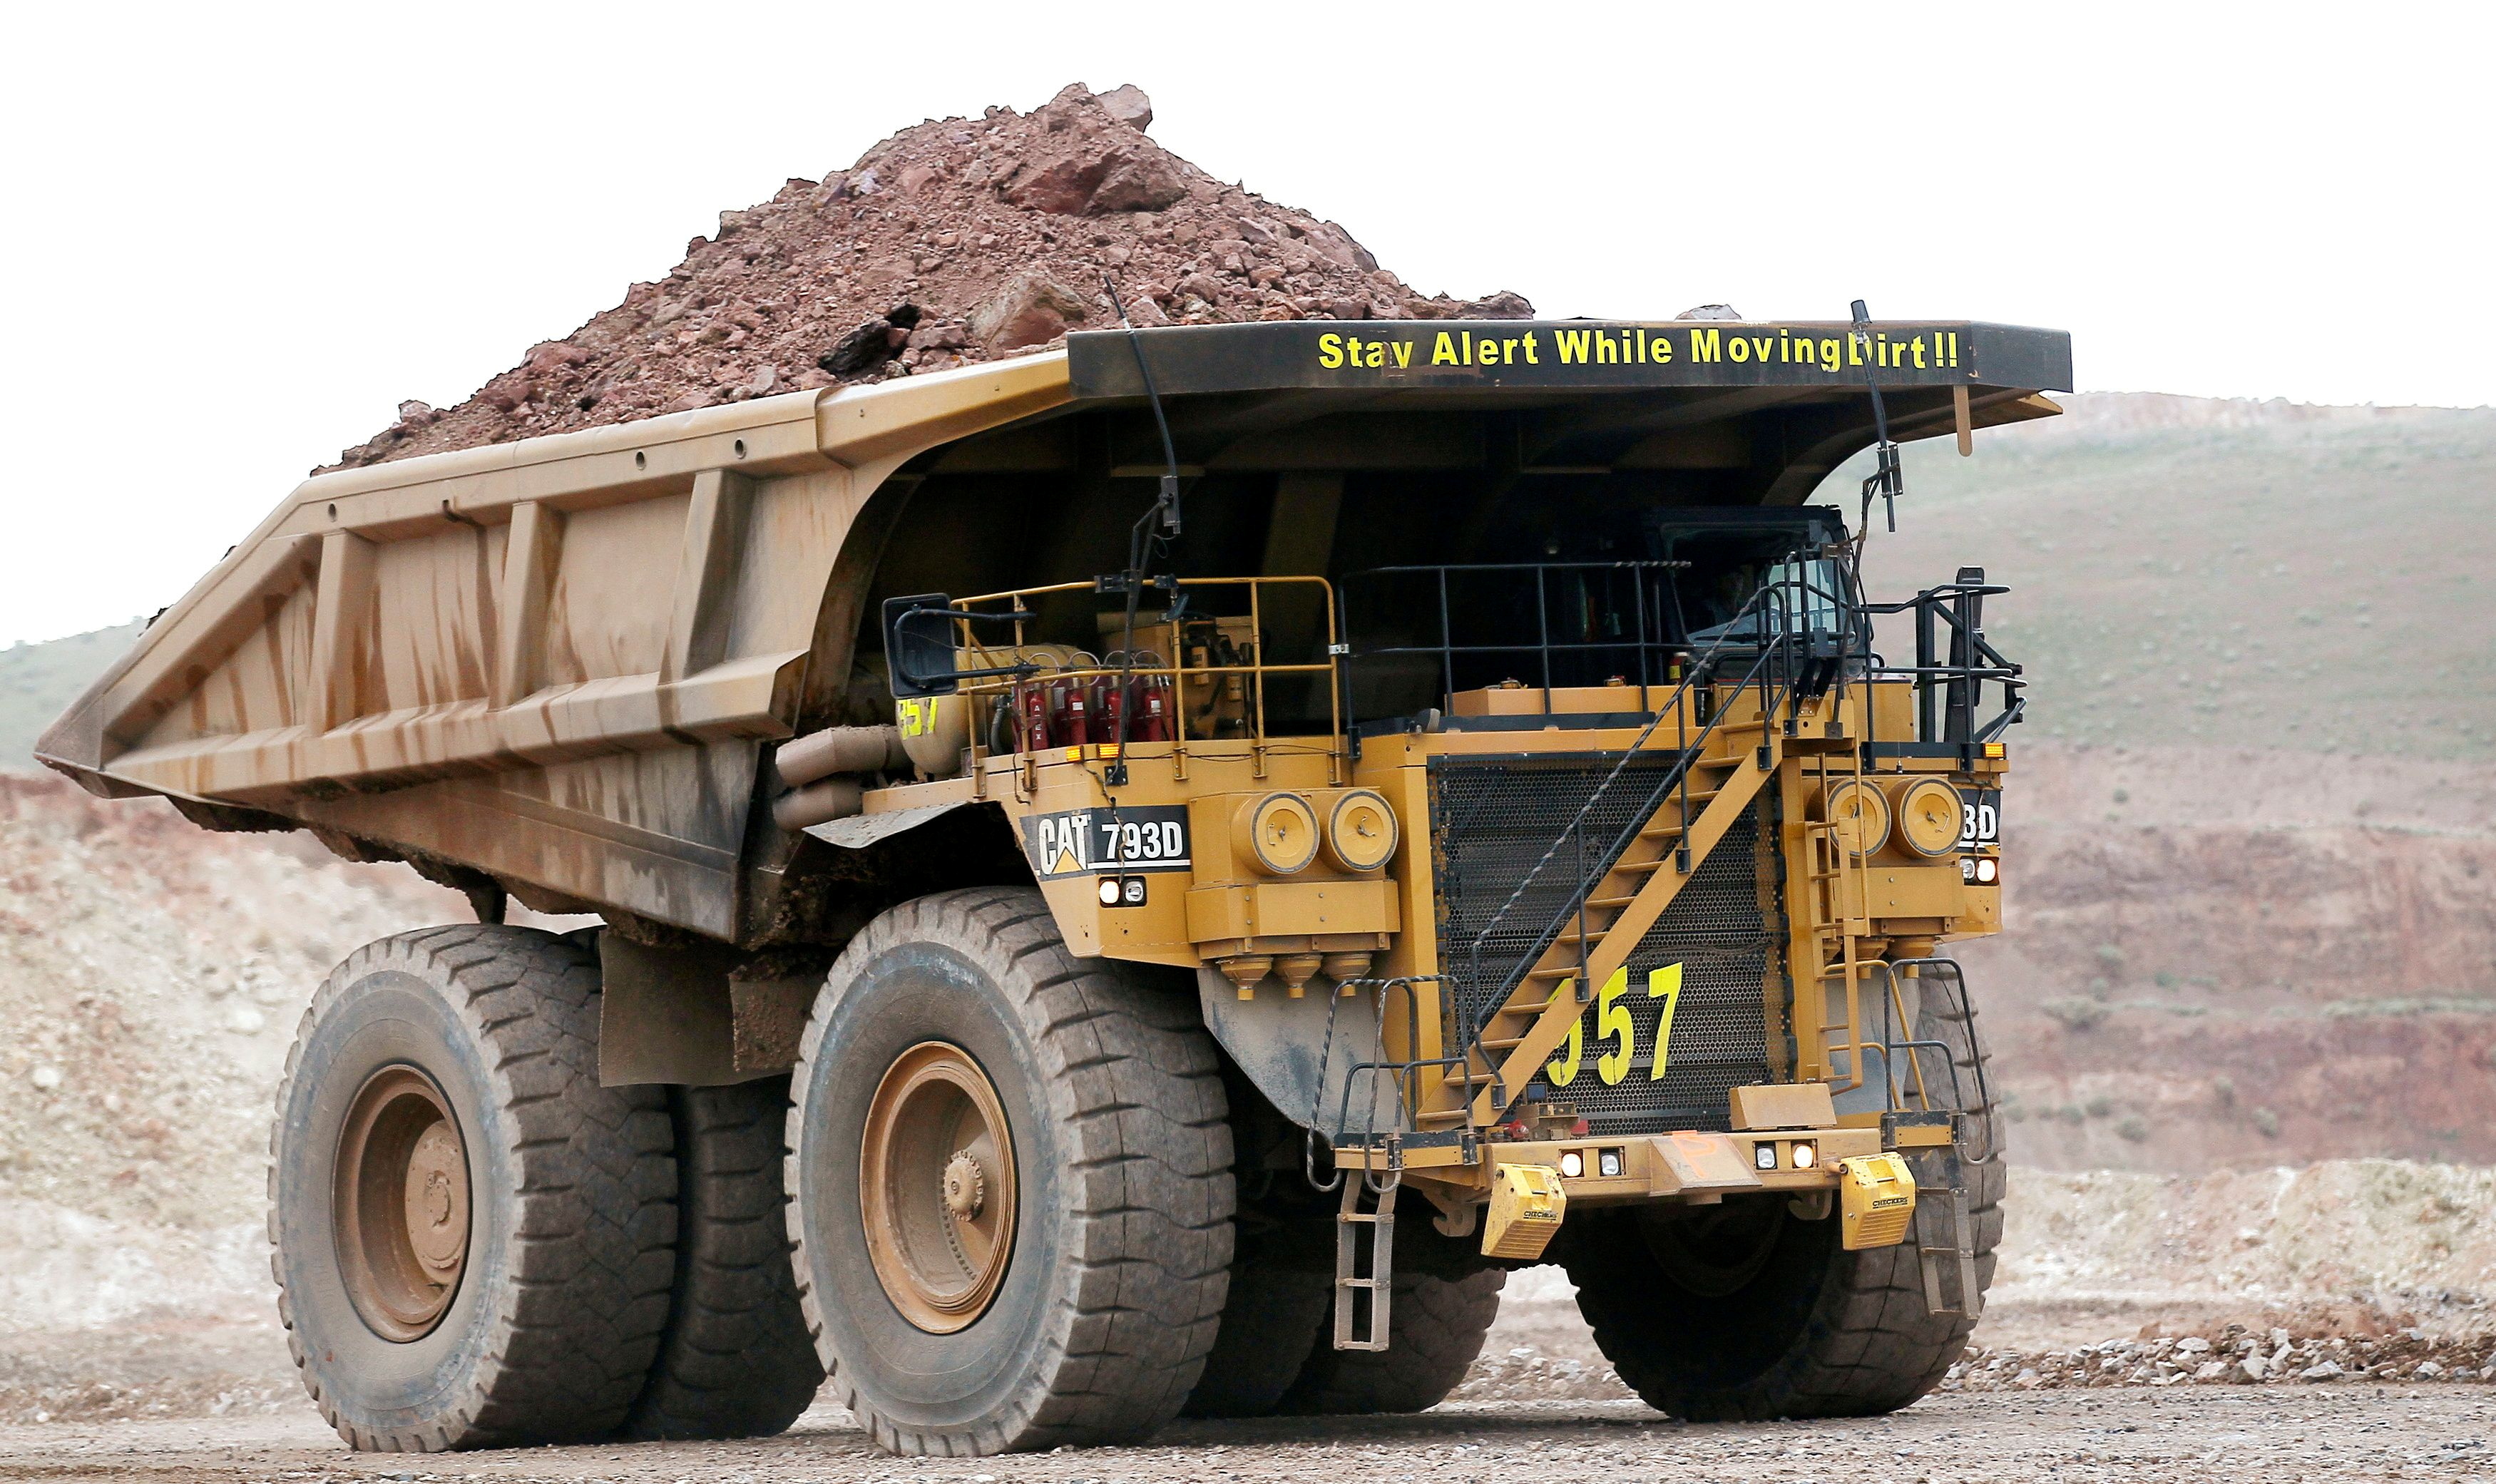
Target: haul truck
1134 880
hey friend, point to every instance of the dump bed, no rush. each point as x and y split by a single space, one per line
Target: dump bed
556 666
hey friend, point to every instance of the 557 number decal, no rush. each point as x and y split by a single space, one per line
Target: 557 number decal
1614 1027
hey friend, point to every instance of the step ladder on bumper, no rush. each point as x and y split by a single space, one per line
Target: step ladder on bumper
1350 1333
1947 1259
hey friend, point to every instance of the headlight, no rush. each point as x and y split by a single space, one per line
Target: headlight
1277 834
1572 1164
1806 1155
1989 870
1930 823
1764 1156
1361 831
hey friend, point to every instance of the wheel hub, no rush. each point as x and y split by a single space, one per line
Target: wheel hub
937 1187
399 1199
965 1185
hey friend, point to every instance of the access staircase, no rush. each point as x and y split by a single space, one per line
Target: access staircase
1701 798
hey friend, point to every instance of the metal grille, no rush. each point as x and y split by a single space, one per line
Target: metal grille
1492 818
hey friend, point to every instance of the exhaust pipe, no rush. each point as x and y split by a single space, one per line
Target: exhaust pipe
835 799
841 750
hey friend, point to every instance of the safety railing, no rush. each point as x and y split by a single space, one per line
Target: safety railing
1378 1074
1954 661
1005 667
1647 651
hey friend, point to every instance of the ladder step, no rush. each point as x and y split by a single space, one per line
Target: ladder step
1529 1009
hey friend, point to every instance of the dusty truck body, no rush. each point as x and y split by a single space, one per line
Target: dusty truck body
1102 834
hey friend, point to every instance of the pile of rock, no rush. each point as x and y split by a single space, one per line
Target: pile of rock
2234 1356
957 241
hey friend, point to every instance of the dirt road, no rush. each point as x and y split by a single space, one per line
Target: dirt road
2305 1434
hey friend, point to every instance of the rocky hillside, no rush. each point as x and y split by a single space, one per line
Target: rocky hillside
151 975
2229 957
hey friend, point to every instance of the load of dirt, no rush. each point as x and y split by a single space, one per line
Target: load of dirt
957 241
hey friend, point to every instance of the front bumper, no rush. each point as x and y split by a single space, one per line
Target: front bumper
1692 1166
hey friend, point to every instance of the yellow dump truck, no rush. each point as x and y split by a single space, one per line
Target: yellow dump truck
1133 880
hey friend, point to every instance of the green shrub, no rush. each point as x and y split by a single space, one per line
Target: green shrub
2074 1014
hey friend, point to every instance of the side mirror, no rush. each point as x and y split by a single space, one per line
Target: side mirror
918 646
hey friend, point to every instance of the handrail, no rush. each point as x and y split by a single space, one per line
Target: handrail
1001 680
1403 1076
1699 671
1645 644
1955 682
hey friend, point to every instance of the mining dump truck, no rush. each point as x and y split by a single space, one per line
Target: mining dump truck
1134 880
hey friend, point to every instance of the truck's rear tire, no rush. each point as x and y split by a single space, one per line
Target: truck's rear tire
1012 1183
735 1360
1435 1327
1744 1311
472 1237
1271 1318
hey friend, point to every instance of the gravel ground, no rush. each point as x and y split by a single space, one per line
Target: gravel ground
2372 1433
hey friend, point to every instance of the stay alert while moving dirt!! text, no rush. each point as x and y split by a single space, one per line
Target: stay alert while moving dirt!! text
1567 353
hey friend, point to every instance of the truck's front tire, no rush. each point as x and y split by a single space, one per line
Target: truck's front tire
1744 1311
1012 1184
472 1237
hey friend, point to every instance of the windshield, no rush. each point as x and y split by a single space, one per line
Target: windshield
1731 555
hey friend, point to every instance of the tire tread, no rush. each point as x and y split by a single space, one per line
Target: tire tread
594 1233
1150 1257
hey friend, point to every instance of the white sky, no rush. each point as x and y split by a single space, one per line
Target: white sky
241 234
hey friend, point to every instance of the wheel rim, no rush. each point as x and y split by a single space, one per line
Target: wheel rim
400 1195
937 1187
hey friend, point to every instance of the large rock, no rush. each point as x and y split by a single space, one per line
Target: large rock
1503 305
1127 105
1148 180
1032 308
1063 185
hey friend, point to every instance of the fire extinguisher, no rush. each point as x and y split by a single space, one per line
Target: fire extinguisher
1031 717
1070 713
1152 723
1108 702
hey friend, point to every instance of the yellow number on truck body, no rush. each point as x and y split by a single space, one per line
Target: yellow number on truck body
1663 984
1562 1070
1612 1021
